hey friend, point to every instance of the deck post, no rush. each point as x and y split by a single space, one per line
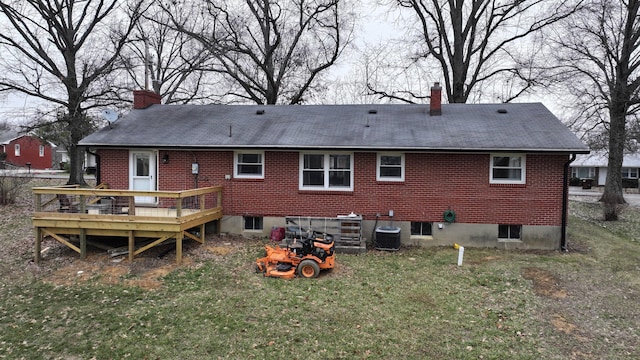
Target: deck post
132 241
83 244
38 201
83 204
36 257
179 237
132 205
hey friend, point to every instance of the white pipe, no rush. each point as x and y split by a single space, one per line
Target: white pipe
460 255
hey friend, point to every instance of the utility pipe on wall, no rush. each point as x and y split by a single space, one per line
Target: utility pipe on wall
565 204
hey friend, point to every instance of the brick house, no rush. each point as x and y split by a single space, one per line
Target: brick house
491 175
24 150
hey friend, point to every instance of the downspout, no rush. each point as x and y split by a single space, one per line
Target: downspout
565 203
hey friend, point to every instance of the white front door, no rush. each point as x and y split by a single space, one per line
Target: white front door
142 170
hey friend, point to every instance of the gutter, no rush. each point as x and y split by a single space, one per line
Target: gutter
290 147
565 204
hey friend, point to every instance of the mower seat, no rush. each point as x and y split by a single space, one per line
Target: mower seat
306 246
327 239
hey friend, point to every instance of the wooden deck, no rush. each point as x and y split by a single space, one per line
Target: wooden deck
72 212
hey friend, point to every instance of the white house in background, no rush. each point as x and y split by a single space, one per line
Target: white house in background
63 156
594 166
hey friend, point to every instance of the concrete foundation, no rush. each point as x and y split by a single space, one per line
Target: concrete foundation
443 234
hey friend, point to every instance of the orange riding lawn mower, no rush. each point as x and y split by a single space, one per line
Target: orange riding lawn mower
304 255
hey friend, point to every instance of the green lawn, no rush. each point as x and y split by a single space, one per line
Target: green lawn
411 304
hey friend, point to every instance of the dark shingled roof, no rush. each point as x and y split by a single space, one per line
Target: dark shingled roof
461 127
9 134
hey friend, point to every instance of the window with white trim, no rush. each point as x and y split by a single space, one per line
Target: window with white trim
326 171
41 151
253 223
509 232
390 167
583 172
249 164
507 169
17 150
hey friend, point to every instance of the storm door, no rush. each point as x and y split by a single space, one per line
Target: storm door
142 170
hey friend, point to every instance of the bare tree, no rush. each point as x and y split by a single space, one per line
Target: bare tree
601 53
63 52
473 43
267 51
166 61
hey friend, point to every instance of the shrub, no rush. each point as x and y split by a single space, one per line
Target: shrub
629 183
574 181
10 187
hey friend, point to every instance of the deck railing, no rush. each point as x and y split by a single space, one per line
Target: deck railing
65 211
99 202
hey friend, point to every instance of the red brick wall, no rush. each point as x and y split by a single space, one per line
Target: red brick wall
29 152
433 184
114 168
142 99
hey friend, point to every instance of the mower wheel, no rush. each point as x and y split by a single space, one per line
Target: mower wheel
308 269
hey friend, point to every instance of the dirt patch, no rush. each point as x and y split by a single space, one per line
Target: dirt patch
544 283
152 279
146 271
561 324
339 271
578 246
219 250
101 269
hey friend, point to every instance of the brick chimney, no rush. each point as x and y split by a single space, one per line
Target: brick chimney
142 99
435 107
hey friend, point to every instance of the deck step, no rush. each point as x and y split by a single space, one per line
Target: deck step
340 249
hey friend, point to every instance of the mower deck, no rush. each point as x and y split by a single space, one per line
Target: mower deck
304 258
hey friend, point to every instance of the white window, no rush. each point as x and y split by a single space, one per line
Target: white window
507 169
421 228
630 173
249 164
41 151
326 171
509 232
583 172
253 223
17 150
390 167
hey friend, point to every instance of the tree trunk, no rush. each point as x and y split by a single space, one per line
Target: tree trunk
76 125
613 187
458 66
76 161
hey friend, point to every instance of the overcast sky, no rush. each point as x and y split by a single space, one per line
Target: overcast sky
375 26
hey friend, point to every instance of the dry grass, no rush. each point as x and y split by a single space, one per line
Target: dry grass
415 303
